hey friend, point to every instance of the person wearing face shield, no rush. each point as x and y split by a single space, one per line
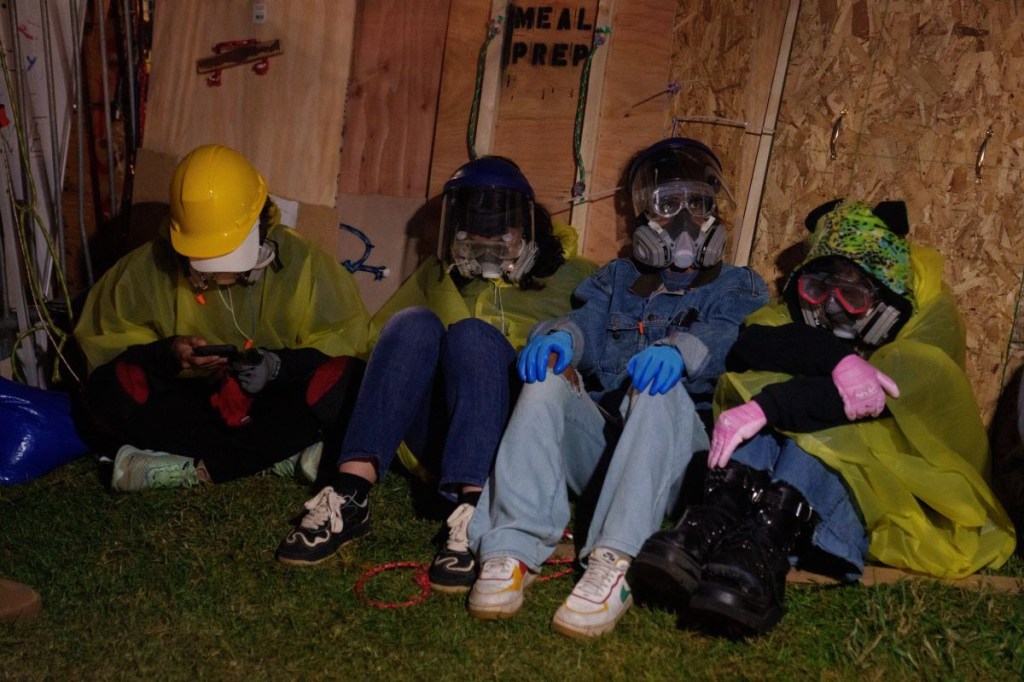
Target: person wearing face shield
203 343
441 381
846 431
610 409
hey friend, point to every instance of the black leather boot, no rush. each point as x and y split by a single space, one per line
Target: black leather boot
742 590
669 564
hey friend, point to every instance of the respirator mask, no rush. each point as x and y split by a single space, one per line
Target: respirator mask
488 233
673 186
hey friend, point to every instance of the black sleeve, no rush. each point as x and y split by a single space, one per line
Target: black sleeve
791 348
298 364
803 404
155 357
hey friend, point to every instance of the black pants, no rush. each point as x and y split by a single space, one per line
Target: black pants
175 415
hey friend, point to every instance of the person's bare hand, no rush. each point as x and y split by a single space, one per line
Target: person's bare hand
182 351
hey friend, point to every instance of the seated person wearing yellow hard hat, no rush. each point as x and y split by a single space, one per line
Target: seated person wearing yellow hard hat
224 346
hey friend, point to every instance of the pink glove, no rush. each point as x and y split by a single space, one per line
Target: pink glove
732 428
862 387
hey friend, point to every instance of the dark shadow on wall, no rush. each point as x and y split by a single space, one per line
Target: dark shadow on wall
1006 437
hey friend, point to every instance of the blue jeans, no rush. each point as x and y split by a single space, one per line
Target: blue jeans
446 393
558 440
840 529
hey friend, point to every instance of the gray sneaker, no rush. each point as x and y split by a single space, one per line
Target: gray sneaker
137 469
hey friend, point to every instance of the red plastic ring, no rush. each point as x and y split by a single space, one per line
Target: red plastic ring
420 577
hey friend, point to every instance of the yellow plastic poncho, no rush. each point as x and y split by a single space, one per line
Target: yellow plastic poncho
502 305
920 476
311 302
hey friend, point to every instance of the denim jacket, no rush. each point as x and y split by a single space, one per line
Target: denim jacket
618 312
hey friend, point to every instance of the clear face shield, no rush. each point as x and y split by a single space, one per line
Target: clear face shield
487 233
674 196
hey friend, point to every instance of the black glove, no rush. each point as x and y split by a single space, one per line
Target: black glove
256 368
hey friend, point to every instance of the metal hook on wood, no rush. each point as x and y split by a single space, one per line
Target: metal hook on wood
981 156
836 127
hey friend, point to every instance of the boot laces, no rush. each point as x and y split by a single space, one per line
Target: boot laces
458 528
326 506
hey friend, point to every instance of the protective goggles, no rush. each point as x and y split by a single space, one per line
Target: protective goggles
669 199
855 298
468 246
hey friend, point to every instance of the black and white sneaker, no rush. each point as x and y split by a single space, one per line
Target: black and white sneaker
331 521
454 568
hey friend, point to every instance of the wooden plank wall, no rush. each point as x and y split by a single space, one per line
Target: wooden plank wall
287 121
536 108
386 144
921 82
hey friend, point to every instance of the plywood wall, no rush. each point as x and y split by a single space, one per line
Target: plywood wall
534 110
287 121
921 83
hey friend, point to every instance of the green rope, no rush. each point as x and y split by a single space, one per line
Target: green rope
481 62
27 217
580 186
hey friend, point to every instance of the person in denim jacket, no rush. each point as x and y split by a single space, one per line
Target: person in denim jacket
636 360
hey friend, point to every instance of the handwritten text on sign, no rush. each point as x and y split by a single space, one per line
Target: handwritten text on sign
547 18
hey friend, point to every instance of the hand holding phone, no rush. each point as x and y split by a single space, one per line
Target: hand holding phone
225 350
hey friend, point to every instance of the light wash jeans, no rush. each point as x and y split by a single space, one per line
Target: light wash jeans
840 529
557 440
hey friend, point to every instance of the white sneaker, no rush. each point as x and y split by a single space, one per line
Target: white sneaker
599 598
498 592
137 469
302 466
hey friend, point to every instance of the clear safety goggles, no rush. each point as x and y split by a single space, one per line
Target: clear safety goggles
505 247
671 198
854 297
497 216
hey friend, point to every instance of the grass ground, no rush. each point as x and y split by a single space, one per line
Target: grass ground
182 585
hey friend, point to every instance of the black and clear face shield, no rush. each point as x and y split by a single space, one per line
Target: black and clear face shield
488 233
674 193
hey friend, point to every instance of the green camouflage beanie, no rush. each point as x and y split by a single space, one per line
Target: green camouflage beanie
853 232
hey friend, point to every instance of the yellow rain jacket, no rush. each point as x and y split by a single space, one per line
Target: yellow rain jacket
919 476
502 305
311 302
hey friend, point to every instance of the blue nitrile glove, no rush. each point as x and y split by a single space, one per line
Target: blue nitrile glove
659 366
533 360
256 369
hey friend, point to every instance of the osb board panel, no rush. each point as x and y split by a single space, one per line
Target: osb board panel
986 373
829 72
724 64
545 52
288 121
468 22
392 97
798 180
394 226
634 114
945 72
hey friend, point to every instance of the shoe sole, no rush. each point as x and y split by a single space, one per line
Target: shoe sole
450 589
731 611
501 611
356 533
587 632
666 578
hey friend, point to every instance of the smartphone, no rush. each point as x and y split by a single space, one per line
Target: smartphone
225 350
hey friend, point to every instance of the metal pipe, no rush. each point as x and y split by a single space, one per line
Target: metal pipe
76 33
130 67
101 21
56 212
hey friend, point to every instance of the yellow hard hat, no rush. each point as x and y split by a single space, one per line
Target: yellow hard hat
216 197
